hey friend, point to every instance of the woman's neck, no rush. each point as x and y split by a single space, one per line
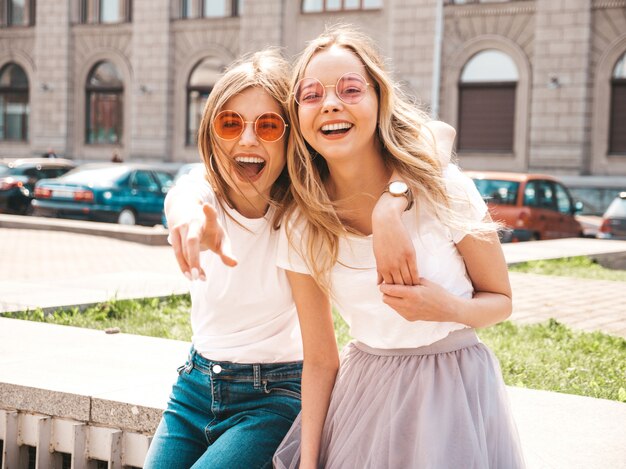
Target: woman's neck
249 207
355 186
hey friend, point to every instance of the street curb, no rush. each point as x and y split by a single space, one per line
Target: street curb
151 236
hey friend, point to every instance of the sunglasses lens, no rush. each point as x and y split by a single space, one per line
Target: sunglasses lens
228 125
351 88
309 92
269 127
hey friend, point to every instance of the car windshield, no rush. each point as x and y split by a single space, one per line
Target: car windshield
5 170
95 176
497 191
617 209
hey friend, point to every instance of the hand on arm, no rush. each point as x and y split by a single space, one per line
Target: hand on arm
396 262
321 361
195 227
492 300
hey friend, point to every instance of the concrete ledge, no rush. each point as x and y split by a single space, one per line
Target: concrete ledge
115 380
601 249
122 382
152 236
44 401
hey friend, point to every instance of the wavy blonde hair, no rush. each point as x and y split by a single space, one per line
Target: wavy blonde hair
404 147
268 70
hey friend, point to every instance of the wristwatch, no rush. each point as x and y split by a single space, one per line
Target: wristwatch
400 189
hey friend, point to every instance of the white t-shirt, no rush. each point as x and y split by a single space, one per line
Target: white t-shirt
354 279
246 313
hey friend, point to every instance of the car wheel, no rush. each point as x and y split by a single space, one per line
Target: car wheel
535 237
127 217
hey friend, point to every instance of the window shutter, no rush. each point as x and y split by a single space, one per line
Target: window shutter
486 117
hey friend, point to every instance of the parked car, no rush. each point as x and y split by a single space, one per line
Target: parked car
531 206
613 224
18 178
127 194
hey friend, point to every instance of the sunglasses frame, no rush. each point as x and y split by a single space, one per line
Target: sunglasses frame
367 85
254 122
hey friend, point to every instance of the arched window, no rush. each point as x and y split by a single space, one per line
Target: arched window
617 140
105 103
487 103
200 84
14 108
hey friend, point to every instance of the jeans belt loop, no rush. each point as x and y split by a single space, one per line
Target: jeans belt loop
256 369
192 357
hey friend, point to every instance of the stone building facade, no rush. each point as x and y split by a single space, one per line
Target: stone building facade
555 100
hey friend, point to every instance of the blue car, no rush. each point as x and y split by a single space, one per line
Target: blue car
127 194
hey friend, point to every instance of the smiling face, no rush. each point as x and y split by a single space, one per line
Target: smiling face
335 129
250 165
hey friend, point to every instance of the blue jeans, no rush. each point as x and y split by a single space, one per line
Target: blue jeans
226 415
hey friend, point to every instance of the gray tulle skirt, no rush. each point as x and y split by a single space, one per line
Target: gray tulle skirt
439 406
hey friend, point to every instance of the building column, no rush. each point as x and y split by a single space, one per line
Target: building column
261 25
50 90
561 93
412 26
151 91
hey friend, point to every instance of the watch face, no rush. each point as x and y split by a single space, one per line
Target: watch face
398 188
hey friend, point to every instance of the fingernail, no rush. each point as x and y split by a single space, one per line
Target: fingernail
188 275
194 274
203 277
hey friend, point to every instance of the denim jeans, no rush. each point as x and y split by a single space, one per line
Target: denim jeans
226 415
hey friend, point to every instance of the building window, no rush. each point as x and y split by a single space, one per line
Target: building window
105 103
186 9
617 139
466 2
220 8
315 6
14 108
487 103
201 82
18 13
105 11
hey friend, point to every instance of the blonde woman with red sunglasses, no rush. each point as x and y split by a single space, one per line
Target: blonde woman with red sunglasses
239 391
416 388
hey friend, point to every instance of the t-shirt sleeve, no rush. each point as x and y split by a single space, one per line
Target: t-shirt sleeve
465 198
191 187
290 254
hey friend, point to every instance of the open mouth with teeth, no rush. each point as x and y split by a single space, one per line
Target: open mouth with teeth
338 128
249 167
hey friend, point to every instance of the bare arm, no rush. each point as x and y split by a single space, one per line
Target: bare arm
492 300
321 361
395 255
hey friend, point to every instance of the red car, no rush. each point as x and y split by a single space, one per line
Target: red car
531 206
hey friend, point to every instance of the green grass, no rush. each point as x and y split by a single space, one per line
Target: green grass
551 356
581 267
547 356
156 317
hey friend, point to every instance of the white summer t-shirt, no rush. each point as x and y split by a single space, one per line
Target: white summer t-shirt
246 313
354 279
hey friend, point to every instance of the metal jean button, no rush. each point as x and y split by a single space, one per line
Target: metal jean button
217 369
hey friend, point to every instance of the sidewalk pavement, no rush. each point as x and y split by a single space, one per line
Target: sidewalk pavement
55 268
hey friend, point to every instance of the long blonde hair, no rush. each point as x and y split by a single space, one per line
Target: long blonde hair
269 71
405 149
